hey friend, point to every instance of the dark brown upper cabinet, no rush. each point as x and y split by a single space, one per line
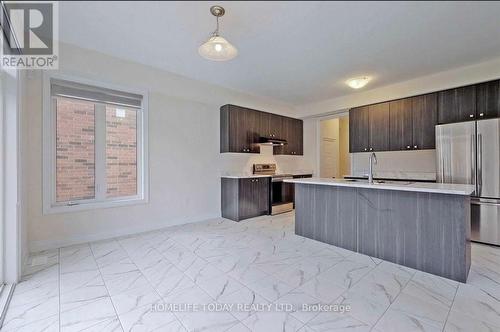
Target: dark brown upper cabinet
400 124
241 129
403 124
369 128
292 132
412 121
424 112
456 105
378 121
358 129
271 125
488 100
297 138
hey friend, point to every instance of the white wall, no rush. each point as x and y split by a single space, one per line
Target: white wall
185 163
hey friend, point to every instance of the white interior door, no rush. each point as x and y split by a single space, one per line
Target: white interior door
329 163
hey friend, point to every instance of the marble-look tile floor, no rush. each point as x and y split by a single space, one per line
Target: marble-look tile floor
127 283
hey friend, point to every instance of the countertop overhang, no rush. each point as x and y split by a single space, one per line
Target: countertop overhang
247 176
440 188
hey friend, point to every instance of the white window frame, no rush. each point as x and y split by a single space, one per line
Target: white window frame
50 205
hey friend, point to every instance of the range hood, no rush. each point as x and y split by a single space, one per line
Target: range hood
272 141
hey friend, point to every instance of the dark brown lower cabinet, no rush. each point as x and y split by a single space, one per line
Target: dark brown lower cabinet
243 198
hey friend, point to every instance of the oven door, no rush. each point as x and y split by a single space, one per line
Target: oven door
281 195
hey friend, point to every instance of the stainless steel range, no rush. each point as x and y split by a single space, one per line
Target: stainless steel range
281 193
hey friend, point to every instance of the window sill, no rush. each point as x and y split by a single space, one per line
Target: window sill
55 209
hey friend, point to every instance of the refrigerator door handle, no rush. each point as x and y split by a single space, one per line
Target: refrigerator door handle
442 172
485 201
479 164
472 164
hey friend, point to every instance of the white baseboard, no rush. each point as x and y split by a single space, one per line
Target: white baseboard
37 246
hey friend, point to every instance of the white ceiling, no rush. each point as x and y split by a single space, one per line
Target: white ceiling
296 52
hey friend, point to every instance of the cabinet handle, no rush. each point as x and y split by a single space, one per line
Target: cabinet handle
481 114
415 146
371 149
366 149
471 115
407 146
256 180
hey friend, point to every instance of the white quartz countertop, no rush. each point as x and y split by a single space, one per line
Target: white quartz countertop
441 188
250 175
244 176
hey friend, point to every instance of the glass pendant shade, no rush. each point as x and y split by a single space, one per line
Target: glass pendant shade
217 49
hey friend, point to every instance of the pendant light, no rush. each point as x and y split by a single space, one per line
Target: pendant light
217 48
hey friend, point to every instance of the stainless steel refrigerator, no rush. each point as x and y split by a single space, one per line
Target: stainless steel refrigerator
469 153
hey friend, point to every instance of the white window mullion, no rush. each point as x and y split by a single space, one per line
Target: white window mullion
140 154
53 149
100 152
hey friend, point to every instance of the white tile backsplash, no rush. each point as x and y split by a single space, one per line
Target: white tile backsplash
398 164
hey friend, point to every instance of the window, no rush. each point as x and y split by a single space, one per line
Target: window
94 146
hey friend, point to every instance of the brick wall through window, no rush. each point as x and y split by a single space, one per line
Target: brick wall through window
121 151
75 154
75 150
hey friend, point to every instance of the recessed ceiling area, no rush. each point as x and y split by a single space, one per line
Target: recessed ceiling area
295 52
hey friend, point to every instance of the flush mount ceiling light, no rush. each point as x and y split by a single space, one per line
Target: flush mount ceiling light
358 82
217 48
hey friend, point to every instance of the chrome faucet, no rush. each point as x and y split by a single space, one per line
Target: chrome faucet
372 158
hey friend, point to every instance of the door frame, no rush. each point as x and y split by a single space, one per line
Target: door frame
2 157
339 114
11 214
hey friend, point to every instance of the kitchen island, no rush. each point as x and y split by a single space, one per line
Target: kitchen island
425 226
